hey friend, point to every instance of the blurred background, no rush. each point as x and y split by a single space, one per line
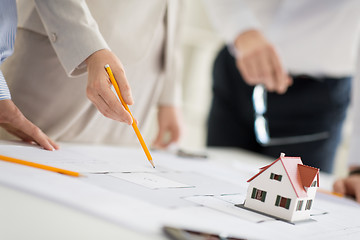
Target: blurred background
200 44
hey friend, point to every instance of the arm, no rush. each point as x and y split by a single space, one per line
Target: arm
256 58
11 119
80 46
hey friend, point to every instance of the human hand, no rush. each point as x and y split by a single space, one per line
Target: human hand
99 86
169 123
14 122
349 186
259 63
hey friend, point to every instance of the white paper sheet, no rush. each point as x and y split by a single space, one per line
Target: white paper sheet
148 208
82 158
149 180
229 208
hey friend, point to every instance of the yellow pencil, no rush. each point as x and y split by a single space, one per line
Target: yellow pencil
330 192
41 166
134 125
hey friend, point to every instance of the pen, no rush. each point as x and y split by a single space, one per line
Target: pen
41 166
134 125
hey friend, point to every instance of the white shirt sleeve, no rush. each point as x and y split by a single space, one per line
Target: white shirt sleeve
231 18
72 30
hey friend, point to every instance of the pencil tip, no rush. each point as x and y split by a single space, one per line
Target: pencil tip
107 65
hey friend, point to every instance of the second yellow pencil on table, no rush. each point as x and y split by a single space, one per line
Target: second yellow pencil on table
38 165
134 125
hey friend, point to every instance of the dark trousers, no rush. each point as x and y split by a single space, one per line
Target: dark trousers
310 106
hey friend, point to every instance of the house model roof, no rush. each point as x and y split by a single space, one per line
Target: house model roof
300 175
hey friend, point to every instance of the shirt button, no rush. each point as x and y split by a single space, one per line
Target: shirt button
53 37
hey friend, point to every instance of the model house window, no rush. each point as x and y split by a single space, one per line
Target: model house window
275 176
282 202
258 194
308 204
313 184
299 205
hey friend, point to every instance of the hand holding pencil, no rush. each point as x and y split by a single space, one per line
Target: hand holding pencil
136 129
98 88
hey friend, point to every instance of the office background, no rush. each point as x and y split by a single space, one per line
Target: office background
200 45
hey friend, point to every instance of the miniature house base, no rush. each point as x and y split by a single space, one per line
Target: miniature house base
284 189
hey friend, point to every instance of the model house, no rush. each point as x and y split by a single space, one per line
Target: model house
284 189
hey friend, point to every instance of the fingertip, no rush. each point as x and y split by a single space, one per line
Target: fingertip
55 146
128 97
339 186
130 121
290 81
282 89
130 101
49 148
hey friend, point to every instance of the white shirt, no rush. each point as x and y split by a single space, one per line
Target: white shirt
324 32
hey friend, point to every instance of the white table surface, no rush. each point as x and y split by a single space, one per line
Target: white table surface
24 215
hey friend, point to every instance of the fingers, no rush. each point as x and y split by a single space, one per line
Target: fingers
165 137
124 85
99 86
169 127
158 143
352 184
339 186
266 72
259 62
349 186
357 193
264 67
105 100
281 78
17 124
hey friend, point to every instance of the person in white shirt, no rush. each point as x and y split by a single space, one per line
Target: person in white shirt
62 48
283 82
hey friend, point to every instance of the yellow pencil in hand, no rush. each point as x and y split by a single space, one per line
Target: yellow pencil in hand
134 125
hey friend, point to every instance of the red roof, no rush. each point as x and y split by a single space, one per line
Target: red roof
300 175
307 175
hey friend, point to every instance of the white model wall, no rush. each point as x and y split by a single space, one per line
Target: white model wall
272 188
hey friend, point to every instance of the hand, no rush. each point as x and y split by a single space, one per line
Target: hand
349 186
99 86
169 123
259 63
13 121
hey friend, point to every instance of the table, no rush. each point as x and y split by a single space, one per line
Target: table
44 212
